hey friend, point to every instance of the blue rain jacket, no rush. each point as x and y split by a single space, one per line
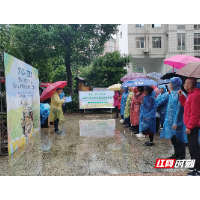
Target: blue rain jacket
123 101
162 101
44 112
148 113
174 114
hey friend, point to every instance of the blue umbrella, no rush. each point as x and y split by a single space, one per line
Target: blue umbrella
162 82
154 75
139 82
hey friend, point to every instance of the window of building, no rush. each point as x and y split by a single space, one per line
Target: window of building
156 42
139 25
196 26
121 34
180 26
156 25
197 41
140 43
181 41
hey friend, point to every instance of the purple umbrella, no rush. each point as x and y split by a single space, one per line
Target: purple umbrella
132 76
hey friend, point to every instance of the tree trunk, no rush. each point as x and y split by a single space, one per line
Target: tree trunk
69 73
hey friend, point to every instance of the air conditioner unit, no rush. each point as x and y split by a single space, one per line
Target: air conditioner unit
146 50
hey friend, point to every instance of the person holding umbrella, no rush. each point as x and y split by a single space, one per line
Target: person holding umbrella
174 127
123 102
56 113
135 108
162 101
148 115
128 107
192 121
119 105
116 102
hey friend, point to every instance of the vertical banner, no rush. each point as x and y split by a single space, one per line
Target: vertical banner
23 102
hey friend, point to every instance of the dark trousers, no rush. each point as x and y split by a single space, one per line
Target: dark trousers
116 110
136 128
56 124
194 147
157 124
179 147
151 137
128 121
122 116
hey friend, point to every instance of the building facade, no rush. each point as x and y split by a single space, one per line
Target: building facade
110 46
150 44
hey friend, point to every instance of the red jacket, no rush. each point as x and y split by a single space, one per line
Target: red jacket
119 106
191 106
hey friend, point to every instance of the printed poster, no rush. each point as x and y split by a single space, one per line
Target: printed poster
100 89
98 99
23 102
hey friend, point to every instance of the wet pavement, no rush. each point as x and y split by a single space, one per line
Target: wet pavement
91 144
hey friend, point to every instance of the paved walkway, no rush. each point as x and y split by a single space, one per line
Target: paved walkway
91 144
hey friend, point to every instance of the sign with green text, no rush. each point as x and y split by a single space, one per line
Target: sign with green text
96 99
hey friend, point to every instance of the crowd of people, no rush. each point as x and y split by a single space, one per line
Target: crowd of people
147 109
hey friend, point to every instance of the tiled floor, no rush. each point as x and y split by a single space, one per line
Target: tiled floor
89 147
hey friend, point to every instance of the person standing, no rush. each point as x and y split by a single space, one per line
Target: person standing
116 103
156 90
162 101
119 105
148 115
174 127
191 119
135 108
123 103
128 107
56 113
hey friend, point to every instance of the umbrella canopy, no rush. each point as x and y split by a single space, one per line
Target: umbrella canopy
155 76
48 92
170 74
190 70
139 82
115 87
132 76
161 82
180 61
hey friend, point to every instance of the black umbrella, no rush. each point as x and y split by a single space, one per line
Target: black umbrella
170 74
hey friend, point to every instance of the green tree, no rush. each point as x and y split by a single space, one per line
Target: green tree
106 70
77 44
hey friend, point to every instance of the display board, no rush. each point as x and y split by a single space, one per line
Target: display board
23 102
97 128
92 99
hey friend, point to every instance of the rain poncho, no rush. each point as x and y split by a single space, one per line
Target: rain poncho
148 113
56 108
44 112
174 114
61 96
128 105
135 107
123 101
162 101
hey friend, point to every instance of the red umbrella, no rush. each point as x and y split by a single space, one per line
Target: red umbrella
45 84
48 92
